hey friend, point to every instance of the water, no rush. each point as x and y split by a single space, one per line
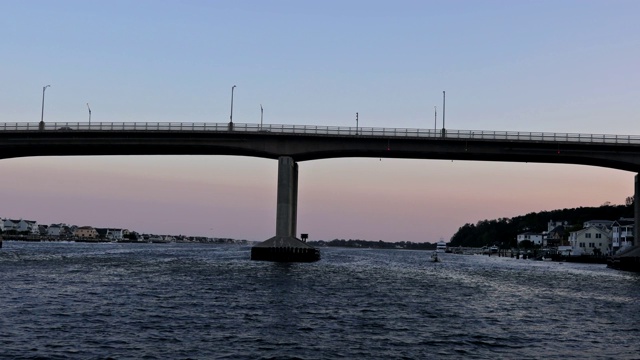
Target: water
202 301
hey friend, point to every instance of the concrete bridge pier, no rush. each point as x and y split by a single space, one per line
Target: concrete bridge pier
636 210
285 247
629 259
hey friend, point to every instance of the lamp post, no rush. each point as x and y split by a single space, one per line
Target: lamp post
356 123
261 113
231 116
41 125
443 109
89 114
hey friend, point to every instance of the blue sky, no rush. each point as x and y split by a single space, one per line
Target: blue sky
552 66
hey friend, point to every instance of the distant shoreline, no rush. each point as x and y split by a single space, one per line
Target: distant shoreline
125 241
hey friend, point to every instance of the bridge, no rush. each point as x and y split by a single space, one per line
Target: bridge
294 143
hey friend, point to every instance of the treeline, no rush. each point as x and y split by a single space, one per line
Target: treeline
503 231
374 244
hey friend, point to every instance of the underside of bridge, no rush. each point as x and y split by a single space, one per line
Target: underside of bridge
285 246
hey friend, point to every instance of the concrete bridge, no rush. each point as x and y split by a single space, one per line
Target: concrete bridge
294 143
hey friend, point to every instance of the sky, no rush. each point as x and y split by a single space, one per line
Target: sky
549 66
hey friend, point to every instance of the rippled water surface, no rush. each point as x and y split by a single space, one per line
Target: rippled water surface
198 301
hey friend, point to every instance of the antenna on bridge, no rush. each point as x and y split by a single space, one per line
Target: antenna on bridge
89 113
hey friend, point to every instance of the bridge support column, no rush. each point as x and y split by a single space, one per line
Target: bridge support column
636 210
285 247
286 211
629 259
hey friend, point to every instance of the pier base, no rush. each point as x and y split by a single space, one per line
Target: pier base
629 260
284 249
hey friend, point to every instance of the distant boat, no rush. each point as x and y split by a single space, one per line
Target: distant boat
435 257
493 249
441 246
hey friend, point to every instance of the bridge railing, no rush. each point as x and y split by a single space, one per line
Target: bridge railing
325 130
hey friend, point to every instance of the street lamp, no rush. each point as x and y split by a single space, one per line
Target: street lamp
443 109
261 113
89 113
356 123
231 116
41 125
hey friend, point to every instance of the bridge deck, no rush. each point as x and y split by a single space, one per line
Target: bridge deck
317 130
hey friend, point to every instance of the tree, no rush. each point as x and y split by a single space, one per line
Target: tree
629 200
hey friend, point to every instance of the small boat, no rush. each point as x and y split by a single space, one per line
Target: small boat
435 257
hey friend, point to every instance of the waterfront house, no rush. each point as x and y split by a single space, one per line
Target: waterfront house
603 224
85 232
54 230
554 224
21 226
554 237
535 238
112 234
622 233
117 234
590 241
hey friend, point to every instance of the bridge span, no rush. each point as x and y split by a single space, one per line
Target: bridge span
294 143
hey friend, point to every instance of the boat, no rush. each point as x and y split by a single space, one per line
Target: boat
435 257
441 246
493 249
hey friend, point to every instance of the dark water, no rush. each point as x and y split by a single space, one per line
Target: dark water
196 301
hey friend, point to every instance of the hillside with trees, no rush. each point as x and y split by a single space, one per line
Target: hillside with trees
503 231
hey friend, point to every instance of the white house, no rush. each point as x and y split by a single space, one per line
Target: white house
117 234
54 230
21 225
622 233
535 238
587 240
604 224
112 234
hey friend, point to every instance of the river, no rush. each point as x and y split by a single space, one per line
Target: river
204 301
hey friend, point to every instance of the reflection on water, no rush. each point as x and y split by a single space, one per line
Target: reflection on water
128 301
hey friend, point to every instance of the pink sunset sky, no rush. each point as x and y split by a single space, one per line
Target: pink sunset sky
387 199
549 66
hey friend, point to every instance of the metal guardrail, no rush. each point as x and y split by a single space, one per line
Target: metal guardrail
327 130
